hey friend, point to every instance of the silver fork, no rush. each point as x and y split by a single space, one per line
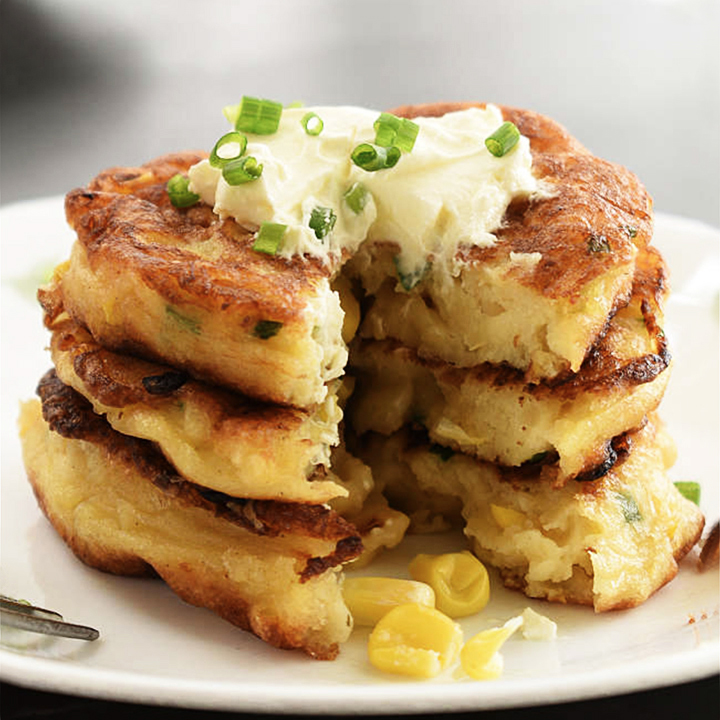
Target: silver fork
25 616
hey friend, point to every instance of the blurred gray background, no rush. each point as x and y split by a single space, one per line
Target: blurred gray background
88 84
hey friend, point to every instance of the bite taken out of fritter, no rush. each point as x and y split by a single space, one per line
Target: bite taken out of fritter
609 543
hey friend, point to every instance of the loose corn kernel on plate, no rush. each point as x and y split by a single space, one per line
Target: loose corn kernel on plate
155 649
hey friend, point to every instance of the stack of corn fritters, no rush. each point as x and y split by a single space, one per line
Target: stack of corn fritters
192 424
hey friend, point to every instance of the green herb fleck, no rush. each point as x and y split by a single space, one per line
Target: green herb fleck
322 221
265 329
410 280
537 457
184 321
630 510
631 231
598 243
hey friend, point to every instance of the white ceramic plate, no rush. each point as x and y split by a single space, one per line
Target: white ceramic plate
155 649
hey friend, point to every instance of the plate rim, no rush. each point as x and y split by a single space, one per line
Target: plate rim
123 685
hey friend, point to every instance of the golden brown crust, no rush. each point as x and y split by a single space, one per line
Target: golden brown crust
598 215
124 218
604 367
184 287
117 522
71 416
94 554
119 380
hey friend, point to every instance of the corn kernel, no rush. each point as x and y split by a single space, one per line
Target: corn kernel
371 598
414 640
460 581
505 517
480 657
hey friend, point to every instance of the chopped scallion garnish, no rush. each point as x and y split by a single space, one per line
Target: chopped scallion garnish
628 505
233 142
179 192
265 329
631 231
322 221
357 196
187 323
537 457
269 238
312 123
689 490
411 279
391 130
232 113
258 116
242 170
373 157
598 244
503 140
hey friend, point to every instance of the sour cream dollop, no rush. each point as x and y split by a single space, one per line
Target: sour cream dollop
447 192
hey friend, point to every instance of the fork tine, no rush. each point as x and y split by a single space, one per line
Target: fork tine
8 603
40 620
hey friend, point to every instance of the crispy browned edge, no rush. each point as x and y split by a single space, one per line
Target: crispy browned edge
118 381
116 214
593 485
595 203
601 369
72 417
209 592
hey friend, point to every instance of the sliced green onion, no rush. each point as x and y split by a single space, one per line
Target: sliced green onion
258 116
232 138
631 231
689 490
243 170
391 130
232 113
179 193
537 457
322 221
411 279
386 127
269 238
598 244
630 510
503 140
406 135
265 329
312 123
187 323
357 196
372 157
